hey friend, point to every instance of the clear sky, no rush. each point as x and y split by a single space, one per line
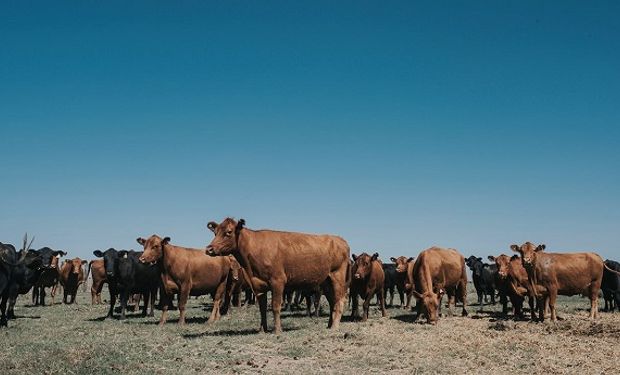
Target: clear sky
398 126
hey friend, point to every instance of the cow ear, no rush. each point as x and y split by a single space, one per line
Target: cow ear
486 265
59 253
491 258
84 261
515 248
514 257
165 240
410 259
354 257
240 224
416 294
98 253
393 259
374 256
479 259
541 247
141 241
212 226
122 254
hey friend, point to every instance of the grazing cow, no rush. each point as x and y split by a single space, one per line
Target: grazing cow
71 276
483 276
127 275
190 272
368 280
437 270
49 275
551 274
400 279
611 285
274 260
513 279
97 268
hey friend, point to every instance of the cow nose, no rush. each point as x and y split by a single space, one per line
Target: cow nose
210 251
357 276
142 260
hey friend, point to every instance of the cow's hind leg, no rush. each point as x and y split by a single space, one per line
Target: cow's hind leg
382 303
183 297
338 291
277 289
262 305
222 292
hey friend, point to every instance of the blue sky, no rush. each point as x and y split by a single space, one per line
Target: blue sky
397 126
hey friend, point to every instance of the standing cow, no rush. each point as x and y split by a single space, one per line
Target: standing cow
402 266
610 285
514 281
435 272
71 276
274 260
190 272
483 276
551 274
97 269
368 279
49 276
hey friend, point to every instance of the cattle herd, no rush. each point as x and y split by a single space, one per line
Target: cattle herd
241 263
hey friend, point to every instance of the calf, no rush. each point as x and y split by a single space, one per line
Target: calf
368 280
403 264
190 272
127 275
437 270
97 269
71 276
483 276
550 274
513 279
49 275
610 285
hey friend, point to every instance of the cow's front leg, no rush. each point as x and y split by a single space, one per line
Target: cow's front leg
276 305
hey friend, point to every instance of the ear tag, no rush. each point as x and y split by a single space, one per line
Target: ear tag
125 256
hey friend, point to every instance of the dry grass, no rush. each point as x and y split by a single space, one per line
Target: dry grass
75 339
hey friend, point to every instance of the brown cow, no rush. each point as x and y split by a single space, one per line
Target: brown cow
437 270
368 279
404 276
71 276
97 268
275 260
551 274
187 272
513 279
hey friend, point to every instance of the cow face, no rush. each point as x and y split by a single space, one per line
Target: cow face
50 258
401 263
362 265
503 263
429 304
153 248
528 253
475 265
226 239
76 265
110 258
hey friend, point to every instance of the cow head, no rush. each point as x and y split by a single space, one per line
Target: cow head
49 257
76 265
362 265
110 258
429 304
528 253
153 248
401 263
502 262
226 239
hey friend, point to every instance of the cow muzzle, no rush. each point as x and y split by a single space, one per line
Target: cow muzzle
357 276
210 251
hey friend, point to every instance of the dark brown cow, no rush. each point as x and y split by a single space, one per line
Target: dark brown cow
97 269
368 279
71 276
403 265
437 270
275 260
513 279
187 272
551 274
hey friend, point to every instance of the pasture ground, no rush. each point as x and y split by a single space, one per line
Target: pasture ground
75 339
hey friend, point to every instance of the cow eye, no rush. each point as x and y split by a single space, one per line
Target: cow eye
229 233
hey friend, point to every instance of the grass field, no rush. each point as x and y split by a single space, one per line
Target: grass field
75 339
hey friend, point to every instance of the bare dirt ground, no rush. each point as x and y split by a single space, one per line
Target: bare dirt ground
75 339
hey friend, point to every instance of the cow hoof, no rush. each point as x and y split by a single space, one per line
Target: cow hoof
464 313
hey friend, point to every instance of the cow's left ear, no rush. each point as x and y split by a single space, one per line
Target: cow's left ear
393 259
165 241
515 248
491 258
212 226
141 241
59 253
84 261
410 259
354 257
541 247
479 259
374 256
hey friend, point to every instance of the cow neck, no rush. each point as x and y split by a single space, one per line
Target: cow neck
242 258
428 280
166 255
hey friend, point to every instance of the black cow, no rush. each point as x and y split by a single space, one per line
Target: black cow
391 282
25 275
49 275
127 275
610 286
484 277
8 260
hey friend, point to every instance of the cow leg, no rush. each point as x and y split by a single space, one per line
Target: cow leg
262 305
145 307
277 288
165 300
183 297
152 296
366 305
308 298
222 292
3 320
42 297
553 295
382 303
354 305
124 299
11 309
112 303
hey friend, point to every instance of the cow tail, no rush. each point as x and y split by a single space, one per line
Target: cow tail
610 270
